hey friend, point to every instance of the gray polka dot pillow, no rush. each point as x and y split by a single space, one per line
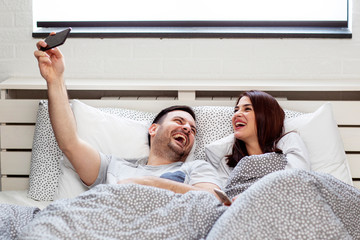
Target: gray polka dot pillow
46 155
212 123
44 168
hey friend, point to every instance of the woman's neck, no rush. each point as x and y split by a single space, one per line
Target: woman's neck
253 149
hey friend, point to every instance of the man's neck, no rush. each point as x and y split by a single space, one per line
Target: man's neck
160 159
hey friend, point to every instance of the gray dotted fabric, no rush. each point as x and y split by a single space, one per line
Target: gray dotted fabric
213 123
252 168
131 114
13 218
45 155
127 212
292 114
292 204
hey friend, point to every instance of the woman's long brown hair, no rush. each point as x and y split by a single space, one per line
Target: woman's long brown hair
269 118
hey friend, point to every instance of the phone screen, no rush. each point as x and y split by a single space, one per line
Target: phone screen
56 40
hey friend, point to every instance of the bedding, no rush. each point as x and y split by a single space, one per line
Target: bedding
319 132
278 204
123 212
52 176
292 204
19 197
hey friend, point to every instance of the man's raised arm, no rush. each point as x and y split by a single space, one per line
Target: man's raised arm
83 157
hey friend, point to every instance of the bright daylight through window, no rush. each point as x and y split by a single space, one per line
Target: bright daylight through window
216 14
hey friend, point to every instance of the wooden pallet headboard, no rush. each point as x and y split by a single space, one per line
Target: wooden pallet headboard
20 98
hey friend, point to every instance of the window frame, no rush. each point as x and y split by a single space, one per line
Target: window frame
199 29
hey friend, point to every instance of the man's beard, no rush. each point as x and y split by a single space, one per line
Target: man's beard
171 151
177 153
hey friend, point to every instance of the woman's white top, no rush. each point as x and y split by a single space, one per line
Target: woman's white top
291 144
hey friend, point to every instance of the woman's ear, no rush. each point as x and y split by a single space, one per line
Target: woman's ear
153 129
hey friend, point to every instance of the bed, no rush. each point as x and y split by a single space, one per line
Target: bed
324 115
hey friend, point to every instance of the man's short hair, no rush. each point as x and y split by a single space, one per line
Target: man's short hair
161 115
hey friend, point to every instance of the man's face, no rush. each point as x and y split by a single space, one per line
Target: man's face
175 135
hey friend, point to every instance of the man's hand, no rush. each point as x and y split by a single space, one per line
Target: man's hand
51 62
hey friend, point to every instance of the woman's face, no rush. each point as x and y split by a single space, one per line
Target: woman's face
243 121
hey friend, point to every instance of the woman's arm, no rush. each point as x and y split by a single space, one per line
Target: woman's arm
295 151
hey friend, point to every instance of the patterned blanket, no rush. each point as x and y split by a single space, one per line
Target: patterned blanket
127 212
292 204
285 204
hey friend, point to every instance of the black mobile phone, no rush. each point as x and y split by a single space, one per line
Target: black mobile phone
222 195
56 40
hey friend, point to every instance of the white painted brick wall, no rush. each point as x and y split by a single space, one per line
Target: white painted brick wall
174 59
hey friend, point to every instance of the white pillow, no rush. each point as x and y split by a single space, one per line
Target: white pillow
321 136
107 133
110 134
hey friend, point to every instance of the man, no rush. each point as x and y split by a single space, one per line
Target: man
171 138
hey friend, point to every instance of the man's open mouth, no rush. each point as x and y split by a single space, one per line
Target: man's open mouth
180 138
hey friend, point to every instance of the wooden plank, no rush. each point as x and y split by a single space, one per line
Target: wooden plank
189 84
354 163
16 163
350 135
17 137
24 111
344 113
152 105
351 138
16 183
343 110
18 111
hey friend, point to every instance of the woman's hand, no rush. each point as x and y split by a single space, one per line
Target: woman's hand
234 198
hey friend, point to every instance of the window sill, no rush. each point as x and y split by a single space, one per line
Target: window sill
200 32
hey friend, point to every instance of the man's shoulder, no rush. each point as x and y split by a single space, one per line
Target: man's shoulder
196 164
121 160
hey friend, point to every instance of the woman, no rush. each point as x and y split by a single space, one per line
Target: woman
291 204
258 124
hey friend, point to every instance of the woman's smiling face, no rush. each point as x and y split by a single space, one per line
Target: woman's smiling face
244 122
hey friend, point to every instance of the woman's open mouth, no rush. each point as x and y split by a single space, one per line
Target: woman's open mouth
239 124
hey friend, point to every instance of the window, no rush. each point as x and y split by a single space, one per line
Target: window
195 18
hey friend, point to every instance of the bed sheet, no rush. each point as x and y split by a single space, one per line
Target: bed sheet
20 198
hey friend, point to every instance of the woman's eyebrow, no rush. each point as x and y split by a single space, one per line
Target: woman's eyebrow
245 105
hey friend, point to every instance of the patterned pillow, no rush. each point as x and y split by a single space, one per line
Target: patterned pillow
213 123
292 114
44 168
46 155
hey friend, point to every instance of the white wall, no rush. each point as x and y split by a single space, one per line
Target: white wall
174 59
